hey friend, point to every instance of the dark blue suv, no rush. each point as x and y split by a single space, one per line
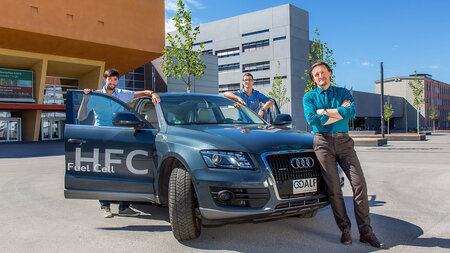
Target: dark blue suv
211 160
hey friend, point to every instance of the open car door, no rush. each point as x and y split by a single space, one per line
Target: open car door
108 162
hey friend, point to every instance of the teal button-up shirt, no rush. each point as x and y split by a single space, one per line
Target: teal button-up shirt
332 98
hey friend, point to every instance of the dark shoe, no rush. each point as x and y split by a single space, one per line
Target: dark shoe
372 240
346 238
128 212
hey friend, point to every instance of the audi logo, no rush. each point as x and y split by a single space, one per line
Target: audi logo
302 162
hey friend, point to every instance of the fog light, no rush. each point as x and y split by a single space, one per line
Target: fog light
225 195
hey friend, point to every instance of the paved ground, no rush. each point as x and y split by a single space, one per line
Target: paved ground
408 186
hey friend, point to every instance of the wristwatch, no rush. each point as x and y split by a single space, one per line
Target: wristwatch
324 112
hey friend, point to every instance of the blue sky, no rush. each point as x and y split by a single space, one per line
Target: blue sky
405 35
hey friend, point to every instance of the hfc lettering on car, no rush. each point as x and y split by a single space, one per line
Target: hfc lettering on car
108 166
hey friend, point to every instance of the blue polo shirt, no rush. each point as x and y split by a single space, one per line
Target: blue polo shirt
253 101
332 98
105 108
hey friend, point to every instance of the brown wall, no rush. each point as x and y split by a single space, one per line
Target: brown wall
123 34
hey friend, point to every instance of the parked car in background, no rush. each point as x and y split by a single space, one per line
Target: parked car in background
210 160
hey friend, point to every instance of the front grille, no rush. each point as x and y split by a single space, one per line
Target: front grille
284 173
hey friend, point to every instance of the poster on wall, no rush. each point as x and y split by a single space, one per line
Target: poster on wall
16 85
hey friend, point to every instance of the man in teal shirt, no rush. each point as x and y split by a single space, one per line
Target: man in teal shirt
328 109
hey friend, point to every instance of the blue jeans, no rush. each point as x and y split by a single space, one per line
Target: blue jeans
122 204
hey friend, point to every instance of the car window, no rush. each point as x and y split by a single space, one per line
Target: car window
148 111
96 109
185 110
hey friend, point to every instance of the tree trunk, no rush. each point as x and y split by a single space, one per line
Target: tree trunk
388 126
418 125
188 84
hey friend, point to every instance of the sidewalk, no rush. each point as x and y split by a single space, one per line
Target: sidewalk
31 149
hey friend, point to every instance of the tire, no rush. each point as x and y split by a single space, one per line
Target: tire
310 214
186 225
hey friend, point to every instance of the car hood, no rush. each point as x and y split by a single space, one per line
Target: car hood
253 138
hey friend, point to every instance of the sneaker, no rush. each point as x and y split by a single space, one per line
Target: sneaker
107 212
128 212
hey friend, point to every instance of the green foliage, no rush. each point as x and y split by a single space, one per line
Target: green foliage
417 90
434 114
180 61
319 52
388 110
278 91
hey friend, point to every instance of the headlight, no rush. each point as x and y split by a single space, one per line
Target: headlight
226 159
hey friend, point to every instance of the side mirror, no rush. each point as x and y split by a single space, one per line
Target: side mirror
127 119
282 120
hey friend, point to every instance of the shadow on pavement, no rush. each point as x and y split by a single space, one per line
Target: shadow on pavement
318 234
31 149
149 228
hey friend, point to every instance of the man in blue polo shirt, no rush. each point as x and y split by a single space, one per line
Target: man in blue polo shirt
104 110
250 97
328 109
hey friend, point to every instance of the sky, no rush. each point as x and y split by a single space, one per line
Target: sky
406 35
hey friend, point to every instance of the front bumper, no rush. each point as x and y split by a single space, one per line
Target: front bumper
285 208
256 189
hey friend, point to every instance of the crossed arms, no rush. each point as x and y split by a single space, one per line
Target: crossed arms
314 112
333 114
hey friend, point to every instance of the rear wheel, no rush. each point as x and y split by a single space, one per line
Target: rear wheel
309 214
183 208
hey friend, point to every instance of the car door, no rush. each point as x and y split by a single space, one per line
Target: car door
271 114
105 161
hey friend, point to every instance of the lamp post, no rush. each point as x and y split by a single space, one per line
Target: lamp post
382 100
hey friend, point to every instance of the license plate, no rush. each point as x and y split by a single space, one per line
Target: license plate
304 185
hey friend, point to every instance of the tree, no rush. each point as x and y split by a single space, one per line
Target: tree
434 114
388 112
319 52
278 91
180 61
417 90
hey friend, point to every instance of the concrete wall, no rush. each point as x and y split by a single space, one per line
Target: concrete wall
208 84
287 57
399 87
369 104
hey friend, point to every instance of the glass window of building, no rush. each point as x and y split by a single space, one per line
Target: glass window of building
253 33
56 88
257 66
204 42
229 67
229 87
262 81
10 127
133 80
209 51
251 46
228 52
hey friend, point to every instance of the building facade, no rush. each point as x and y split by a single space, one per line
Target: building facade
436 94
368 111
47 47
265 43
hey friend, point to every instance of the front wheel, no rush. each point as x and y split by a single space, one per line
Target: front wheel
186 225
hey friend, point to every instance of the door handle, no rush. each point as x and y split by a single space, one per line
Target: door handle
76 141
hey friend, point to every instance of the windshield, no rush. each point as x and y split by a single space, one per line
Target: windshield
188 110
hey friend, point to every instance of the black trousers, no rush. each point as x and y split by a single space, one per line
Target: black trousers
339 147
